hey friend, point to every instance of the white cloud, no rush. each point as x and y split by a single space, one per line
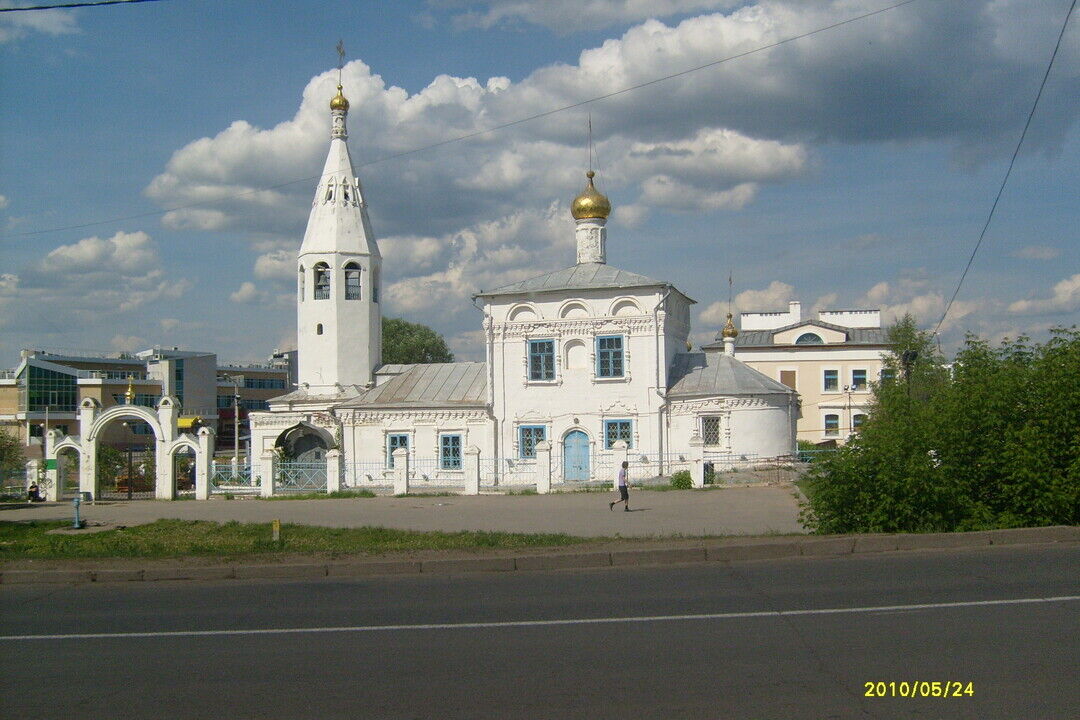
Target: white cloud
245 294
16 25
3 202
127 342
276 265
170 324
773 297
1037 252
913 296
1065 297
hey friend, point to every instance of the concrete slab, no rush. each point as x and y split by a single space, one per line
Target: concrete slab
244 572
1018 536
928 541
662 556
827 546
118 575
560 562
876 543
464 565
752 551
46 576
401 567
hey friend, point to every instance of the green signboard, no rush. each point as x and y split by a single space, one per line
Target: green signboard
50 464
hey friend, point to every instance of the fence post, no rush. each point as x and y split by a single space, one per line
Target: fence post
697 460
334 466
53 491
620 454
401 471
203 465
471 466
543 467
267 468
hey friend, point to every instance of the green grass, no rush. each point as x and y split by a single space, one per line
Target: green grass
174 538
324 496
806 486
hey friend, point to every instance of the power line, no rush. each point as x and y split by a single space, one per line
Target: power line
1008 171
478 133
75 5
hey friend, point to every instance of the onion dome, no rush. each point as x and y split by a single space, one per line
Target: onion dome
729 330
338 102
590 203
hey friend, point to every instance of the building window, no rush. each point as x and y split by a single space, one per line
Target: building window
178 381
616 430
257 404
224 401
450 452
528 437
832 380
832 424
322 282
809 339
710 430
857 421
318 329
300 283
393 442
140 428
858 379
352 281
40 389
264 383
609 356
887 374
541 359
144 399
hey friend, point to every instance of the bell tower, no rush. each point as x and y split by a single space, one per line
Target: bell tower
339 324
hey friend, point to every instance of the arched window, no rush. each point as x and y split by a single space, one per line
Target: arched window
318 329
832 424
809 339
322 281
329 190
857 421
300 283
352 281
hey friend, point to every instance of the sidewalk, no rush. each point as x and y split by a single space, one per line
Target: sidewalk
757 510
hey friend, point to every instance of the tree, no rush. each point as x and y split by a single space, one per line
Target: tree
405 343
11 453
994 443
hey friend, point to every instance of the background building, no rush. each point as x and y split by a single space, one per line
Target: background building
829 360
47 387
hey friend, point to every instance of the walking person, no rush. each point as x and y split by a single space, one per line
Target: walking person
624 490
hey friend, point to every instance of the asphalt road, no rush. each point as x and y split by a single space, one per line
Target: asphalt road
792 638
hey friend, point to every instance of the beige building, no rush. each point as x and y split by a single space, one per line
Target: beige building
829 360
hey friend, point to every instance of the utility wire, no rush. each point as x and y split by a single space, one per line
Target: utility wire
478 133
1008 171
89 3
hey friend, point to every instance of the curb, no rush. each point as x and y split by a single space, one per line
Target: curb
739 551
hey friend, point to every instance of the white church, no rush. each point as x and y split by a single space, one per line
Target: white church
583 367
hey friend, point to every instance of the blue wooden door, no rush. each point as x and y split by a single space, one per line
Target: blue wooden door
576 457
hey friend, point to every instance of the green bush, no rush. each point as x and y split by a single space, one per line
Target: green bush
994 443
681 480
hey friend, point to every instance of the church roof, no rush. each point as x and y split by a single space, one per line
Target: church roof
706 374
764 338
585 276
435 385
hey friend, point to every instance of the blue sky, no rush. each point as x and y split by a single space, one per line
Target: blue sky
852 168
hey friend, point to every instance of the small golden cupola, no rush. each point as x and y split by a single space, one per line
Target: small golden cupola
729 330
338 102
591 203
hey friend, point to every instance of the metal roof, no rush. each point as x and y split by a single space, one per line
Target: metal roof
429 385
707 374
764 338
585 276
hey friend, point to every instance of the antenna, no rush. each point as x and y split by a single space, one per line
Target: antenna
341 59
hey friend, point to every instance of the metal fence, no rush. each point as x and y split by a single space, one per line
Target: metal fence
300 477
225 480
14 482
367 476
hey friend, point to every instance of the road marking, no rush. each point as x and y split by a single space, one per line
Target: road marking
543 623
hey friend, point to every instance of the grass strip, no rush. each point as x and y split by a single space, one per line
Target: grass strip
176 538
323 496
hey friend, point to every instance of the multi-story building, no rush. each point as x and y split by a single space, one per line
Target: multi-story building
829 360
45 390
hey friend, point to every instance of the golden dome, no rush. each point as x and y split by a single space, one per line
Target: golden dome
338 102
729 330
590 203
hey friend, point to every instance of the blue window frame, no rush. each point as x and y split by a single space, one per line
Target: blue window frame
609 356
541 360
616 430
528 437
393 442
858 379
832 380
450 452
832 424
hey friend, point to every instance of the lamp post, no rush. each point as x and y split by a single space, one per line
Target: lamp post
236 423
847 407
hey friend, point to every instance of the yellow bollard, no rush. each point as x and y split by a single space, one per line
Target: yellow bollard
276 530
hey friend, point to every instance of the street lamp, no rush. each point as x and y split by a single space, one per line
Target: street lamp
236 422
847 405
